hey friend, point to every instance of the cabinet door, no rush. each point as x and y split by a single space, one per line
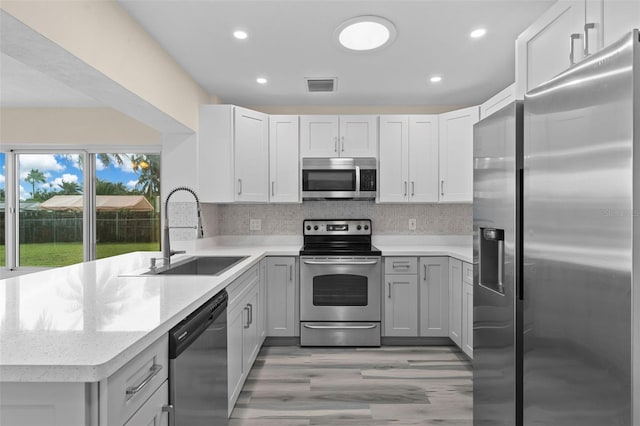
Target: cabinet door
251 156
620 17
467 319
250 337
358 136
401 305
543 49
423 158
498 101
151 411
394 159
319 136
455 301
215 159
456 155
281 296
284 168
434 296
262 305
236 321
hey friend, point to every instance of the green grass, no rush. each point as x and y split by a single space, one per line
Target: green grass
61 254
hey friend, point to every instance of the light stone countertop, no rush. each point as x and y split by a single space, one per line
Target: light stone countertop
83 322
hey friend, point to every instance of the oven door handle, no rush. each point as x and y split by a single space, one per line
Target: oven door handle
333 262
325 327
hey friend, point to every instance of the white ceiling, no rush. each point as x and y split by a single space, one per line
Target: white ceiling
24 87
293 39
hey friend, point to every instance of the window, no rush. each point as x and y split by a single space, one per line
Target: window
73 206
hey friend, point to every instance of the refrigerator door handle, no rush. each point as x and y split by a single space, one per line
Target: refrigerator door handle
501 266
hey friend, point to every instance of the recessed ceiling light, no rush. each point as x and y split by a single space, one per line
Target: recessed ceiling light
365 33
435 79
240 35
477 33
261 80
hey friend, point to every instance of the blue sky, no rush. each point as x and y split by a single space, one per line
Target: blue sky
58 168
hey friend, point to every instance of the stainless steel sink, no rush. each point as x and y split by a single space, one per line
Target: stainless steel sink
199 265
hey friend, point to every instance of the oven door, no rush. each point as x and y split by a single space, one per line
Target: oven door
337 288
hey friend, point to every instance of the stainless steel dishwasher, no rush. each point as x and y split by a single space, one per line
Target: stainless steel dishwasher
198 366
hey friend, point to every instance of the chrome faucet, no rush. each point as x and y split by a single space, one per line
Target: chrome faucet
166 244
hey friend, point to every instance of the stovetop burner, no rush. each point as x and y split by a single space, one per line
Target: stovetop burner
335 237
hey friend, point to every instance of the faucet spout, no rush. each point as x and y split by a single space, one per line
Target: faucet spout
166 240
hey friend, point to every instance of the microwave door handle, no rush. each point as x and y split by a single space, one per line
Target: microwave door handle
357 188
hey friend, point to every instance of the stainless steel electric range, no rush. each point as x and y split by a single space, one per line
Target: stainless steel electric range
340 284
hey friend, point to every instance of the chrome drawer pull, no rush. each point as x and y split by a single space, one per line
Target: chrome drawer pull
153 371
340 327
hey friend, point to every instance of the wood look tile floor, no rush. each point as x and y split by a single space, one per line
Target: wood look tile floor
392 385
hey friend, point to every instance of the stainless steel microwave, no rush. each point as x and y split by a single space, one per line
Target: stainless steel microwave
339 178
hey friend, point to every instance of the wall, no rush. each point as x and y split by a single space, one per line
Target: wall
281 219
72 126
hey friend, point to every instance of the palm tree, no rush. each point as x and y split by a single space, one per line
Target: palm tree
104 187
35 176
69 188
149 179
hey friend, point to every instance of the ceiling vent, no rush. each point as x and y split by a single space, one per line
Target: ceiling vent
315 85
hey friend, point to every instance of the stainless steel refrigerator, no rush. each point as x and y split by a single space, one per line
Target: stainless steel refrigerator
557 250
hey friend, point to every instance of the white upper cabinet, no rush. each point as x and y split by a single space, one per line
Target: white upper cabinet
338 136
568 32
284 166
251 155
233 154
408 158
456 155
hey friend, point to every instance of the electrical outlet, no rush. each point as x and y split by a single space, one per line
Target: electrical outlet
412 224
255 224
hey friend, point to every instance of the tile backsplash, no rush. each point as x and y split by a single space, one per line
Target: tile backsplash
286 219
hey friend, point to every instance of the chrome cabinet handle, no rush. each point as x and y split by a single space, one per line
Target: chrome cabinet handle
250 313
572 39
425 273
345 327
331 262
405 188
172 413
246 308
291 273
273 188
588 26
403 265
413 188
335 144
442 187
239 186
342 143
153 371
389 283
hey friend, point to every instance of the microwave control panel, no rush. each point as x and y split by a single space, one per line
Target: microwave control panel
367 180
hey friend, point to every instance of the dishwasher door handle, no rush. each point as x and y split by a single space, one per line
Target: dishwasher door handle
340 327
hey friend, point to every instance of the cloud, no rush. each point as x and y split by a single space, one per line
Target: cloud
75 161
24 195
42 162
126 166
99 165
131 184
1 178
67 177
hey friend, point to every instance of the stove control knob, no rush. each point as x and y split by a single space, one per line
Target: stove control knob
315 228
308 227
366 227
359 227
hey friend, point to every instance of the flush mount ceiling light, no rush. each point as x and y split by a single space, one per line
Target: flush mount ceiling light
365 33
261 80
477 33
435 79
240 35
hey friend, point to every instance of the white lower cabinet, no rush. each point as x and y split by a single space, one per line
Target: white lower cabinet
401 305
262 318
455 301
243 338
151 413
434 296
467 319
282 297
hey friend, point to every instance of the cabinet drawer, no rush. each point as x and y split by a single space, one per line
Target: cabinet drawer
400 265
151 411
467 273
241 284
129 387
